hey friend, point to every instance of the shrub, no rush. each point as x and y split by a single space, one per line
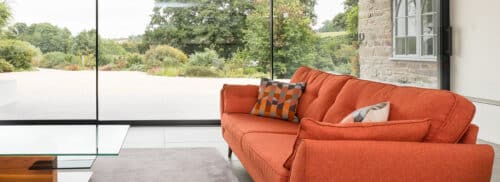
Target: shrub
18 53
137 67
164 55
208 58
5 66
108 67
200 71
121 64
105 59
72 67
165 71
134 59
58 60
88 61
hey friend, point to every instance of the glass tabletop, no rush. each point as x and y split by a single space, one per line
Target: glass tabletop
61 140
63 146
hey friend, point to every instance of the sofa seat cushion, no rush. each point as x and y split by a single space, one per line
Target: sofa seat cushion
247 123
237 125
269 151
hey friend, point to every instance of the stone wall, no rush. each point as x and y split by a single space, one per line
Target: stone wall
375 22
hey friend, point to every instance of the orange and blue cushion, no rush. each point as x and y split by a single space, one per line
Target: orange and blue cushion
278 99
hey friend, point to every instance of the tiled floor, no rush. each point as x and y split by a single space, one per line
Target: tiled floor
200 136
175 137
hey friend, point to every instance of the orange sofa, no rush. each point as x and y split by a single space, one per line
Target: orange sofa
449 153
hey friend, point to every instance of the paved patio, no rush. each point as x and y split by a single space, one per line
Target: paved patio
123 95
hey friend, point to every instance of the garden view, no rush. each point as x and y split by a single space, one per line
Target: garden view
155 53
205 38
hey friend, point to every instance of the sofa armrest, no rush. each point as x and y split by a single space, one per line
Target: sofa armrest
391 161
238 98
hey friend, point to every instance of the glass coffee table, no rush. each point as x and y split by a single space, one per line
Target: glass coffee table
62 152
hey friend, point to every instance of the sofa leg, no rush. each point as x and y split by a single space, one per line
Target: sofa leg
229 152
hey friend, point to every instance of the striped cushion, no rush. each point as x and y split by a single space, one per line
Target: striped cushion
374 113
278 99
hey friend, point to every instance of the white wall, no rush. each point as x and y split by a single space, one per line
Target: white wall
475 64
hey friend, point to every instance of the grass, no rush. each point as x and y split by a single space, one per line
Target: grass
330 34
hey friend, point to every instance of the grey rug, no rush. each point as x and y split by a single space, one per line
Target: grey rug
155 165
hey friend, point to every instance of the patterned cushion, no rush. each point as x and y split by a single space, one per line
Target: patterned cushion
278 99
374 113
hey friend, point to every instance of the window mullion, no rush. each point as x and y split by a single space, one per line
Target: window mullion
418 26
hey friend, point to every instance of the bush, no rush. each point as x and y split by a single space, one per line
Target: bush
134 59
105 59
5 66
58 60
88 61
72 67
165 71
164 55
208 58
18 53
200 71
137 67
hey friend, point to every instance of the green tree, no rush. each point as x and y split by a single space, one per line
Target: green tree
84 43
17 30
294 40
352 21
5 14
348 4
47 37
109 51
214 24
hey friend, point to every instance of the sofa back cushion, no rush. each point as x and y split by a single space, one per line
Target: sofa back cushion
321 91
450 113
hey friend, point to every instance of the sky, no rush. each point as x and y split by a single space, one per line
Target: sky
117 18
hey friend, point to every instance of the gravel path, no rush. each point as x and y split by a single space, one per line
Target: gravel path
123 95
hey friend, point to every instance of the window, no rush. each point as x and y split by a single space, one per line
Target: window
415 29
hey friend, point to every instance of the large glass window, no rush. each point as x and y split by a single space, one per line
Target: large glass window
47 63
168 60
415 29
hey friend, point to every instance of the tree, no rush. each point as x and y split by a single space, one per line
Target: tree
109 51
338 24
214 24
5 14
84 43
47 37
348 4
17 30
352 21
294 40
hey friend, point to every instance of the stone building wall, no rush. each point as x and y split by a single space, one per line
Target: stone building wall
375 22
